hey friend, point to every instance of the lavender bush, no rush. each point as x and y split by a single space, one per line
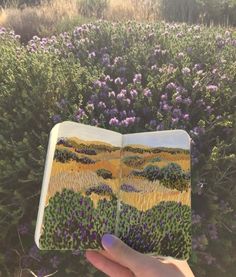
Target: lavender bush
127 77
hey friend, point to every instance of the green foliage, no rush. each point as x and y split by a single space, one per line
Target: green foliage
199 11
171 224
32 83
152 172
172 176
65 155
133 161
104 173
156 159
72 222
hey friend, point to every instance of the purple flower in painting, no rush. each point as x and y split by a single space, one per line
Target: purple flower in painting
212 88
114 121
147 92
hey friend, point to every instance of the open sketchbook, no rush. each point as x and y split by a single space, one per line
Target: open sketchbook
136 186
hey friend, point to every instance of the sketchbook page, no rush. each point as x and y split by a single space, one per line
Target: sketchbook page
81 200
155 195
47 170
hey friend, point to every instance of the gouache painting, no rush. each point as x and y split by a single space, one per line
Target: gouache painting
139 191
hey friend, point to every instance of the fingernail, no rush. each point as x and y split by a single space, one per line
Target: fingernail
108 240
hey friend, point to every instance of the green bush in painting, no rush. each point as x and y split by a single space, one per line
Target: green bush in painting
72 222
133 161
104 173
172 176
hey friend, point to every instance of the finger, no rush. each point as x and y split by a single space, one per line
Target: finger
107 266
123 254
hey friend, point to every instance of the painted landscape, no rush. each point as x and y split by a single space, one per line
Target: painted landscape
141 193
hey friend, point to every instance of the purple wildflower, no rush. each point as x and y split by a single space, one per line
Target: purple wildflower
147 92
212 88
111 94
171 86
56 118
114 121
137 78
133 93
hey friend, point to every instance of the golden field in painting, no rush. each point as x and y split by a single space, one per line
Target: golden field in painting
79 177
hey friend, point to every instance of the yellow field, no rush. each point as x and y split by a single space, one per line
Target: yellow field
79 177
146 200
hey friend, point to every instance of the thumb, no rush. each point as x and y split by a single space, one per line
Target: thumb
122 253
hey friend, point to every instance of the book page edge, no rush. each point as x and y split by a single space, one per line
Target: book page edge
46 177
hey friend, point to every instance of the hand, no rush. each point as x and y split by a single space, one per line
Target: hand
119 260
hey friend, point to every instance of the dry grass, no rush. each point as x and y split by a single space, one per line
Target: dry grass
53 17
112 165
141 10
146 200
99 156
31 21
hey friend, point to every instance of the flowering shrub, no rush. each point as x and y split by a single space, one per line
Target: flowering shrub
128 188
173 176
64 155
63 228
102 189
168 235
127 77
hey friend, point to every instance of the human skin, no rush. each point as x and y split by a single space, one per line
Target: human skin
119 260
